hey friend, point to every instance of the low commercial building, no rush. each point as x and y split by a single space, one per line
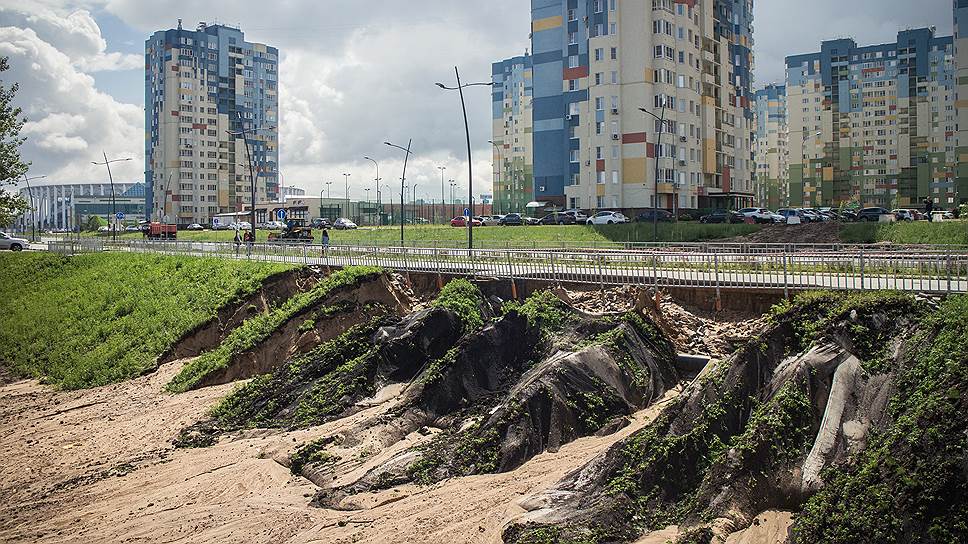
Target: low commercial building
64 206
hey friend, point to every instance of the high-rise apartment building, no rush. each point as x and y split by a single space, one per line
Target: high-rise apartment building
770 151
597 62
199 86
512 94
875 125
961 98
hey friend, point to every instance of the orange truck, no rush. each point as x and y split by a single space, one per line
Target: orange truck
161 231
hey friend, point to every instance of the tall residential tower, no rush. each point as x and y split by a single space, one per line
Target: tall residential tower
770 150
597 62
512 93
874 125
200 85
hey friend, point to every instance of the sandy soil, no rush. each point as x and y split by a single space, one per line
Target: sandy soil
97 466
768 528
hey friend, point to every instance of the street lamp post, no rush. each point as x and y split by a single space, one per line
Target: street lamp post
114 211
245 139
403 179
346 195
30 195
321 191
442 195
413 209
377 182
470 162
658 147
452 185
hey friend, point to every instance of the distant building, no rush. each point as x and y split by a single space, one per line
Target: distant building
770 151
65 206
874 125
287 191
961 98
199 85
512 134
597 62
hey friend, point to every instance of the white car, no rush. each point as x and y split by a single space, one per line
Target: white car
758 215
903 215
607 218
13 244
344 224
489 221
580 217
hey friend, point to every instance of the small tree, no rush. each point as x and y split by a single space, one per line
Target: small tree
95 222
11 167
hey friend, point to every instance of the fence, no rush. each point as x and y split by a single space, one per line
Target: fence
923 270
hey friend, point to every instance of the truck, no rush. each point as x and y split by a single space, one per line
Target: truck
160 231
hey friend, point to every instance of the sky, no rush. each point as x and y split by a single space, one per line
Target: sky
353 74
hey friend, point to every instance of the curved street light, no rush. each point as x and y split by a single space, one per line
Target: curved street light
467 133
377 181
403 179
245 139
114 212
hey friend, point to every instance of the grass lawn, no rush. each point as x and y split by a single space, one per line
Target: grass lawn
499 236
97 319
921 232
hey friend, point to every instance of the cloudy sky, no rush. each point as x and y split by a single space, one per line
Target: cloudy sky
354 73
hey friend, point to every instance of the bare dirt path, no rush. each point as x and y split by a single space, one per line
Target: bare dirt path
97 466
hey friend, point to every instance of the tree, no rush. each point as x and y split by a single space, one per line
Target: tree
12 168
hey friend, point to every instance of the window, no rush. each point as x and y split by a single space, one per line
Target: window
573 155
573 61
614 53
599 54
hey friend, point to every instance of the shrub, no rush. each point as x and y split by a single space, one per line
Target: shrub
463 298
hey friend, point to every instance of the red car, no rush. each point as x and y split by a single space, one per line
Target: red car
462 222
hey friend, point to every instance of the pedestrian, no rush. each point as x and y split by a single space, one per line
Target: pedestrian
249 241
325 241
238 241
928 208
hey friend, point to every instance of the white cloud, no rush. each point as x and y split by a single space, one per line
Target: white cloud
74 33
69 121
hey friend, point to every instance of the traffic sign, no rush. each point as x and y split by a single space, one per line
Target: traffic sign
120 216
216 221
467 212
281 215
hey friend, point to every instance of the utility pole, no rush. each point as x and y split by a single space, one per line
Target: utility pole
30 195
442 196
403 180
658 151
346 196
248 154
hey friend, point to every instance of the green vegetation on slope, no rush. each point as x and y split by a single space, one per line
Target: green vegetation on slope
255 330
921 232
97 319
909 484
309 389
464 299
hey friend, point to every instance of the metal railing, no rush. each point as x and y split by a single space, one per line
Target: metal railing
924 270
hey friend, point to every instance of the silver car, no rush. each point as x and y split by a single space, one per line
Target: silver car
13 244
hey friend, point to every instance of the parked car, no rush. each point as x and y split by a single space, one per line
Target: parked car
848 215
649 216
241 225
557 219
580 217
321 223
787 213
195 226
511 220
607 218
814 215
132 228
528 220
872 214
904 215
461 221
722 216
758 215
777 218
13 244
344 224
273 225
488 221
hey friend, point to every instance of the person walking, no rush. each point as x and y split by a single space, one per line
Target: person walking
248 243
929 208
325 242
238 241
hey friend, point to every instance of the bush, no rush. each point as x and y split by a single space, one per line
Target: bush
463 298
102 318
